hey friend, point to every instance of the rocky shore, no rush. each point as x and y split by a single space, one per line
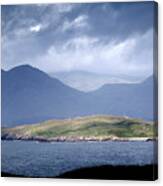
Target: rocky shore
73 139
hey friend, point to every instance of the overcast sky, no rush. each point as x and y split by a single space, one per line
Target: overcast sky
110 38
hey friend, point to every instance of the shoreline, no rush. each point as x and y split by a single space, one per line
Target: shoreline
78 139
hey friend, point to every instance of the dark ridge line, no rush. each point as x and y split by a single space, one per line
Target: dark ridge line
105 172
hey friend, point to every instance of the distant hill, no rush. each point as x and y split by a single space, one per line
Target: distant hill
89 81
30 95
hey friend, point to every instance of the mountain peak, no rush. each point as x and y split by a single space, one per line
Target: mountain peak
150 78
23 67
3 71
27 71
148 81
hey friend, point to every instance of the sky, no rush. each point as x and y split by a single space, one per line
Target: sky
109 38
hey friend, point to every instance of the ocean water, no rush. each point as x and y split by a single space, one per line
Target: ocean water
43 159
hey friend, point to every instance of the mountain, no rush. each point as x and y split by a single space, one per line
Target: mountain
30 95
134 100
89 81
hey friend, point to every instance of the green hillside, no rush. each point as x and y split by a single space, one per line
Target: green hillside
93 127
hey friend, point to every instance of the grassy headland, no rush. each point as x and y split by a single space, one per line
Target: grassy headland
84 128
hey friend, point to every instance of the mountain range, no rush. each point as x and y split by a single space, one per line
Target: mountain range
30 95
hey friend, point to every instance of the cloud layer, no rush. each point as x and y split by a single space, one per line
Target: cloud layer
131 56
111 38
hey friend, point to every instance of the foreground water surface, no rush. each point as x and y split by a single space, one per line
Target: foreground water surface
43 159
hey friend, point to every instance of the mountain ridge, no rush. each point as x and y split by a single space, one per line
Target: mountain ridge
90 81
30 95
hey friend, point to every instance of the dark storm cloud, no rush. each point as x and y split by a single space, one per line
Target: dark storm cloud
120 20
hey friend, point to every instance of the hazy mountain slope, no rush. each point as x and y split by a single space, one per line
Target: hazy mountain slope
30 95
135 100
87 81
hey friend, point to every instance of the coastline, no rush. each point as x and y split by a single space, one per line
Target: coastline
90 128
76 139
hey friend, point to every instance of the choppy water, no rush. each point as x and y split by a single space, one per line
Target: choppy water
51 159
